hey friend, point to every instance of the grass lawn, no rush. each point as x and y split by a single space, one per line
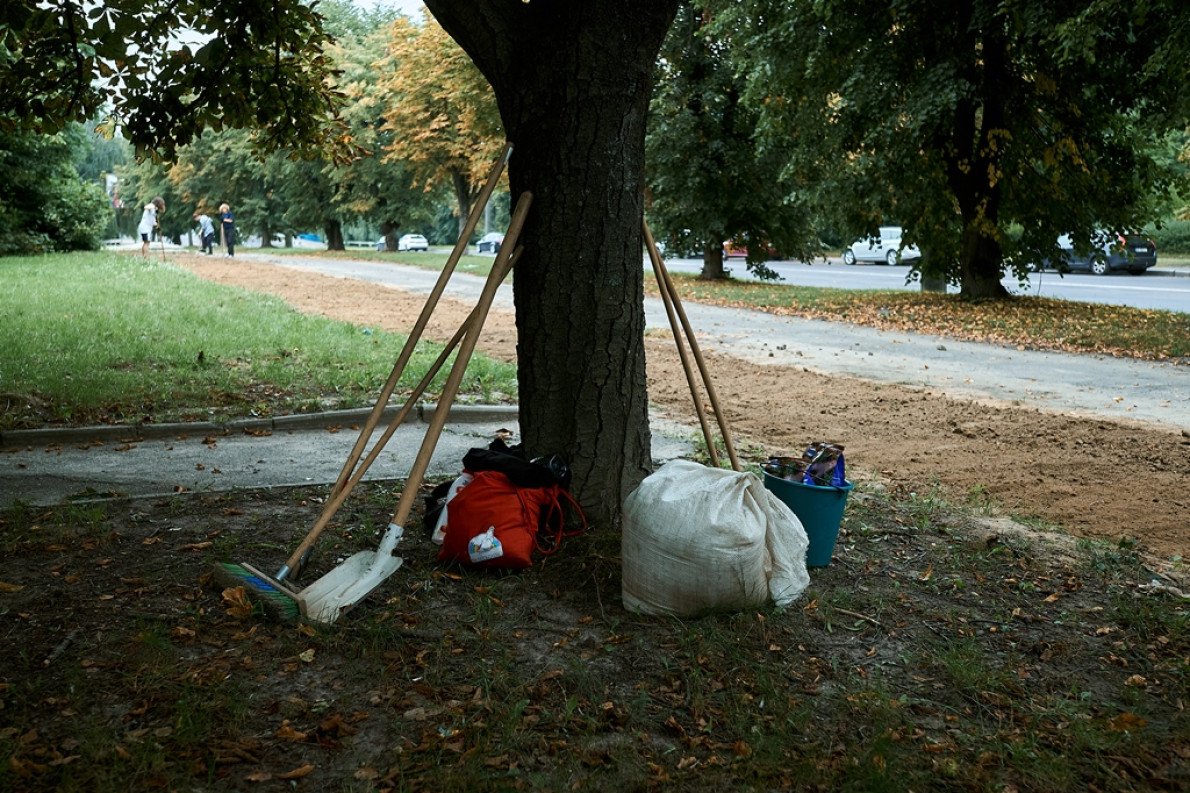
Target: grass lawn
108 338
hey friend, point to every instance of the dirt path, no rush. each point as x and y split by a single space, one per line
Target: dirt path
1093 477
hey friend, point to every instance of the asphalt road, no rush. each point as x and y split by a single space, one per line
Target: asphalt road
1085 384
1157 289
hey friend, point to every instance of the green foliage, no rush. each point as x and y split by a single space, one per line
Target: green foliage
1173 236
957 120
252 63
440 115
46 206
710 180
374 188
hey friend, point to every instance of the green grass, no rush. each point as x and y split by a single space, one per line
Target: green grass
109 338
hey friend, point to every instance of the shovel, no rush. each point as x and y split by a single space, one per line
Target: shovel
335 593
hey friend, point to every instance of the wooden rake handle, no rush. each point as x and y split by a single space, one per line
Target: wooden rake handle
451 388
297 560
676 314
423 318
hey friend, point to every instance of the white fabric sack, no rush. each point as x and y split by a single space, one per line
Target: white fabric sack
698 538
439 535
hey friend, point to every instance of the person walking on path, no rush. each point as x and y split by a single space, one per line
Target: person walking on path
148 222
206 232
227 228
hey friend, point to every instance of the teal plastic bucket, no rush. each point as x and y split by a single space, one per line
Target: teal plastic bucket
820 509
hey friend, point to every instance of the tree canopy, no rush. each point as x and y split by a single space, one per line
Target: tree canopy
710 178
985 127
439 112
45 205
168 71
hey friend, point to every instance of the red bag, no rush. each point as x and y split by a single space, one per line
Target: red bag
492 522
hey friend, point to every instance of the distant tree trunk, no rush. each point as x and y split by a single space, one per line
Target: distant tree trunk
333 230
933 274
572 81
973 173
389 229
980 258
462 188
712 263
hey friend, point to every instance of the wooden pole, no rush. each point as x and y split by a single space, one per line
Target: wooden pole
670 294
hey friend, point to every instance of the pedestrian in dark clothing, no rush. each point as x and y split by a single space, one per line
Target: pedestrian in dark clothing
227 227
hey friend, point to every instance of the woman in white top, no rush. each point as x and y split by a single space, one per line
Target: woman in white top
148 222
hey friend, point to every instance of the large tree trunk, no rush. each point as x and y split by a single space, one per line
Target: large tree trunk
712 263
979 263
572 81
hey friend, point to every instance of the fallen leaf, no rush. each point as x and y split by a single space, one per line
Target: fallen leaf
197 546
287 733
6 587
1136 681
259 776
307 656
1128 722
235 600
929 572
335 725
297 773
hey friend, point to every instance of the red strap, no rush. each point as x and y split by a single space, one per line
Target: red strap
555 508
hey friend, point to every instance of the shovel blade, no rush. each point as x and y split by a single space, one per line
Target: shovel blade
338 591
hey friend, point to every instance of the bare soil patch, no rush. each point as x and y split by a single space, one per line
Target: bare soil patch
1092 477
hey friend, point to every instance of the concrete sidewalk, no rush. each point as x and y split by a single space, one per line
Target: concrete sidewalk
44 467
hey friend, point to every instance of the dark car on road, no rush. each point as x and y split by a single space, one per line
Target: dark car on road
1132 252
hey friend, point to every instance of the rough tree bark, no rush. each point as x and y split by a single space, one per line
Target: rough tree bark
572 82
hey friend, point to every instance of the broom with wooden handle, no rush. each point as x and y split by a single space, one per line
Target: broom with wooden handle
297 560
329 597
415 333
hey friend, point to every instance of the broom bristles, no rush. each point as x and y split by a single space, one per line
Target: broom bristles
277 601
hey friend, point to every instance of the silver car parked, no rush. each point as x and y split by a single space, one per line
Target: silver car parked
886 248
